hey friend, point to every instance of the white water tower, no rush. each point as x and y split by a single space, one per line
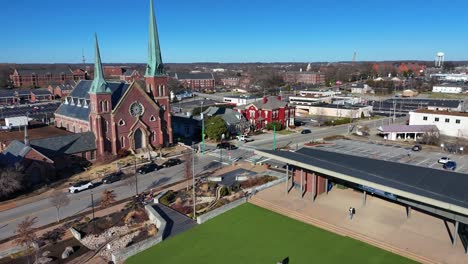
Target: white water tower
439 62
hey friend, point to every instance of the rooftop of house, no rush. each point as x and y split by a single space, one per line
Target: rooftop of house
34 133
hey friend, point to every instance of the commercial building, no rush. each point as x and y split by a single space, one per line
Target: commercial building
240 100
453 124
122 116
304 77
407 132
450 77
449 88
337 110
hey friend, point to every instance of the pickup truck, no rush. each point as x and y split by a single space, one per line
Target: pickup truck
244 138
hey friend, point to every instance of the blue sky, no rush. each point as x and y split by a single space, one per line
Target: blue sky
56 31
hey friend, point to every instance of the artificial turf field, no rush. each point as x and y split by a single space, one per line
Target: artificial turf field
250 234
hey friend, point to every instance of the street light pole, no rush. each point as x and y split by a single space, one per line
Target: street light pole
193 183
203 128
136 178
92 205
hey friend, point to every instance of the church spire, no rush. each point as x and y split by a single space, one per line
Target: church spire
99 84
155 65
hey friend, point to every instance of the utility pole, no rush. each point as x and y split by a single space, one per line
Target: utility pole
92 205
136 178
274 137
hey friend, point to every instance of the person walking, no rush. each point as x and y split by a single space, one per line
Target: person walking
350 213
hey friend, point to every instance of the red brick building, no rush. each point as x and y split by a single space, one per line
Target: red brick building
122 73
304 77
230 81
42 78
196 81
122 116
269 109
62 90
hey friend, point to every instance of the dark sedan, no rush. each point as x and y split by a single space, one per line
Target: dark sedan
306 131
147 168
171 162
225 145
113 177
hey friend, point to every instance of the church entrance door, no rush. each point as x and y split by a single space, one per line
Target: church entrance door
138 139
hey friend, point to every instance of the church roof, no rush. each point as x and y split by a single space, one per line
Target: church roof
65 145
81 92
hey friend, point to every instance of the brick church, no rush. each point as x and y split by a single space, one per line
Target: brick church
122 116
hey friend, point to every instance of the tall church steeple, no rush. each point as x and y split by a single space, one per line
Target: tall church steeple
99 84
155 66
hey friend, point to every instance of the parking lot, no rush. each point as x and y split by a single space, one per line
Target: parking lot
396 153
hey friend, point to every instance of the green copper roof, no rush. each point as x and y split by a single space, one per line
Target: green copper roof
155 65
99 84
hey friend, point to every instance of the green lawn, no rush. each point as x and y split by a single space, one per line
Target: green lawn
250 234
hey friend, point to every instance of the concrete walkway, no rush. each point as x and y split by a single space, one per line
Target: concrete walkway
383 224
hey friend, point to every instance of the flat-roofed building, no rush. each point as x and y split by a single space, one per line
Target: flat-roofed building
454 124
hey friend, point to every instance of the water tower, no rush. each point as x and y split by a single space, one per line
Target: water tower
439 62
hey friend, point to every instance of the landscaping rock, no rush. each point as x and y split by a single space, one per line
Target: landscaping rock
94 242
43 260
67 252
45 253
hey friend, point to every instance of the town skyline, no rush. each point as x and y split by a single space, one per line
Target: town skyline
296 31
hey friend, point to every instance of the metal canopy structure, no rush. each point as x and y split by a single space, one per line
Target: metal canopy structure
430 188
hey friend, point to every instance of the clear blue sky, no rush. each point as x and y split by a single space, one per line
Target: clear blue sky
56 31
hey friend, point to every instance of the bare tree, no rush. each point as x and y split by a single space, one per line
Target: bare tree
26 235
188 168
107 198
431 137
58 200
10 181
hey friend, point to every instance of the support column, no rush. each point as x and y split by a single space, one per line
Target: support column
408 212
314 186
287 178
302 182
326 185
364 198
455 234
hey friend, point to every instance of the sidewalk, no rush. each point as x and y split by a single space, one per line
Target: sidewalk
379 222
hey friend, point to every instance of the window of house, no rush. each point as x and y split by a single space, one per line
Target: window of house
425 118
457 121
447 120
436 119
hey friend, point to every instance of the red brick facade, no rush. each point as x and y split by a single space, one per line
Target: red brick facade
304 77
42 78
270 109
305 178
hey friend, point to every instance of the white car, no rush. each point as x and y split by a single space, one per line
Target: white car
80 186
244 138
444 160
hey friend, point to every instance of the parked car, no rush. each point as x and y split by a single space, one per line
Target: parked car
80 186
416 148
244 138
306 131
450 165
113 177
444 160
150 167
171 162
225 145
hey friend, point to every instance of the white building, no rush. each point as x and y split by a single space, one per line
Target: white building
453 124
360 88
309 99
240 100
17 121
406 132
319 93
350 111
452 77
448 88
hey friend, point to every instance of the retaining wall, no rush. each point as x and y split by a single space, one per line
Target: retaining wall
134 249
205 217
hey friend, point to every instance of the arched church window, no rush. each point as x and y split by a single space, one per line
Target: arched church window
163 90
152 118
159 90
122 142
121 122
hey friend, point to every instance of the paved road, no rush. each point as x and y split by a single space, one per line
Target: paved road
46 213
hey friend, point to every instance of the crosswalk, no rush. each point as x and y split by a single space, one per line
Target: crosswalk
229 157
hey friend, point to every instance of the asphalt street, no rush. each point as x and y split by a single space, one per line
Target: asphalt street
46 213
